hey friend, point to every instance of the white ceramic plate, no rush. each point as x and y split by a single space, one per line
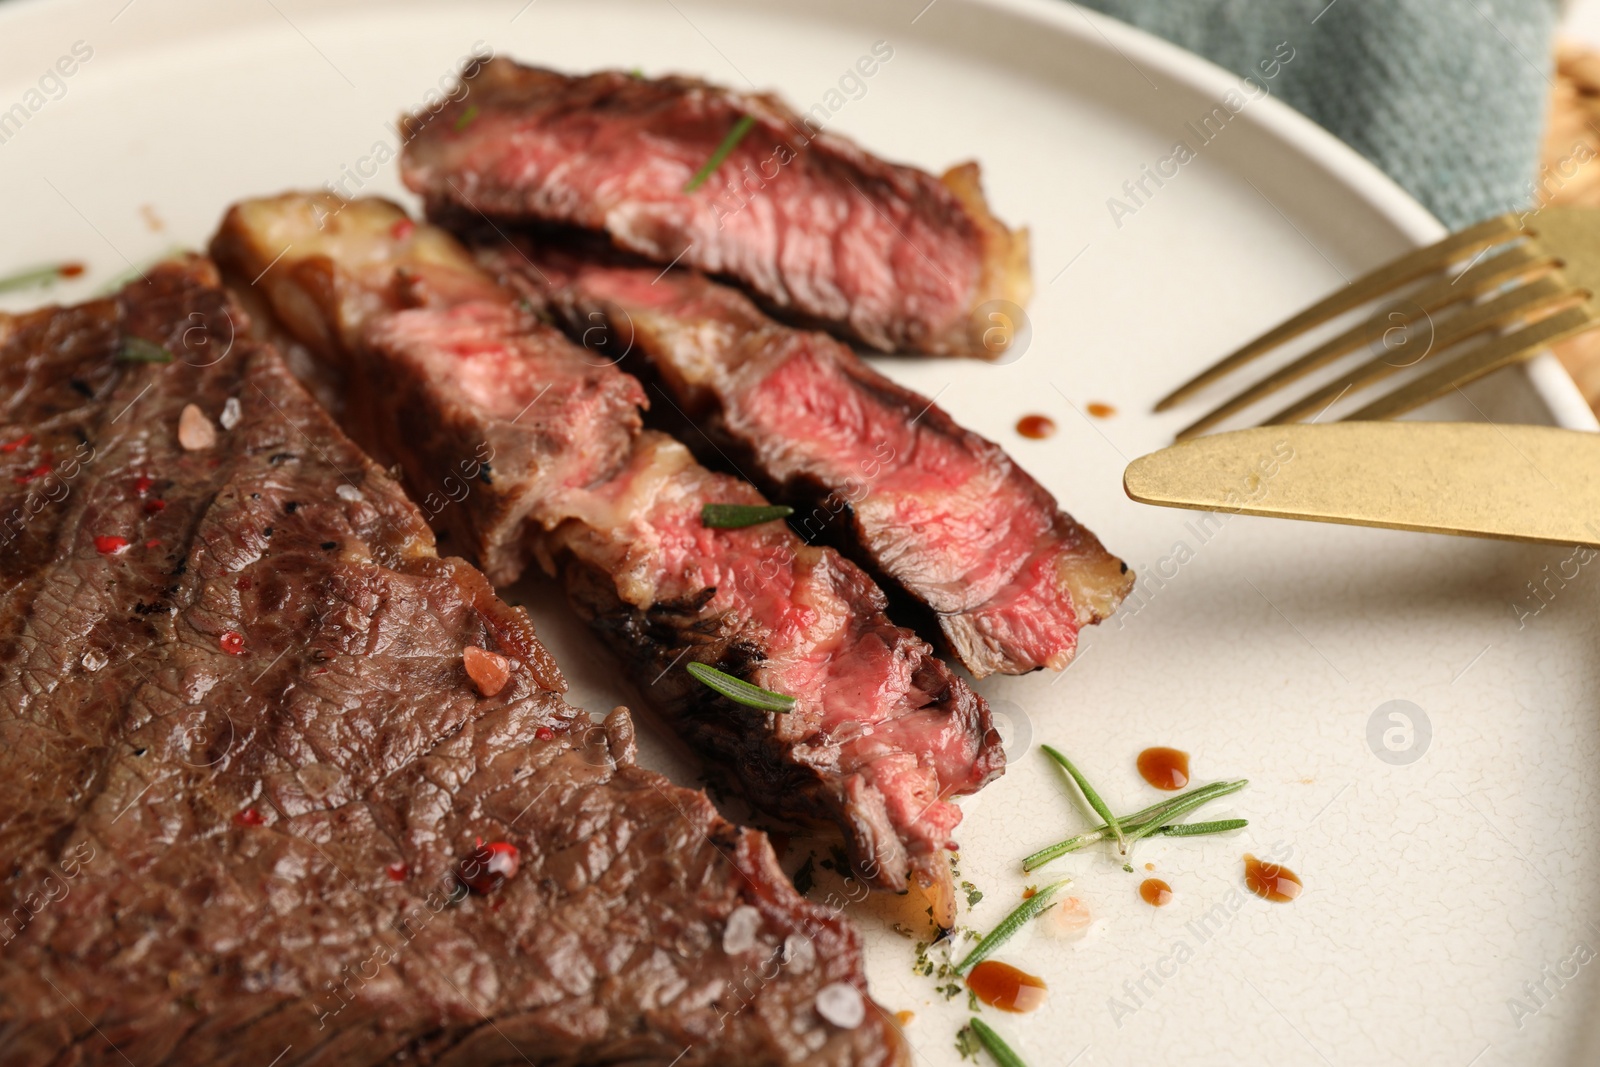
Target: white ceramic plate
1442 880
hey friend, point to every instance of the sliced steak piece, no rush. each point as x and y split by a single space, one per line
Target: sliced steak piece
480 403
253 808
933 510
883 733
820 230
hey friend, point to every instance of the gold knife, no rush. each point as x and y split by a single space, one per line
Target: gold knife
1517 483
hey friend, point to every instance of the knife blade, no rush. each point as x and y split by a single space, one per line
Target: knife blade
1517 483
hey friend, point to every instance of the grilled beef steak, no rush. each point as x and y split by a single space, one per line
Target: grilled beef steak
882 733
282 786
820 230
933 510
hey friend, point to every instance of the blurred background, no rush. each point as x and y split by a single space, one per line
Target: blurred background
1574 118
1475 107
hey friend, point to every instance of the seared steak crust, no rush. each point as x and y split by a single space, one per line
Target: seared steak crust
818 229
933 510
245 774
883 734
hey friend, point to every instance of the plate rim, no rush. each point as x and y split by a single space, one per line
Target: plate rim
1550 381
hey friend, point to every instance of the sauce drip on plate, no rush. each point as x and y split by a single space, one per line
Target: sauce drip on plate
1036 427
1155 892
1270 881
1099 409
1002 986
1165 768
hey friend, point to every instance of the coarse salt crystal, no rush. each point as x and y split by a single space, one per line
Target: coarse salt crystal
739 935
195 431
230 413
841 1004
348 492
93 661
799 952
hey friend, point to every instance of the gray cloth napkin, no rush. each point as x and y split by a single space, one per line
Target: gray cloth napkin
1446 96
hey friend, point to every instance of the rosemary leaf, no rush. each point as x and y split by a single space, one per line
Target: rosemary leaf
138 350
741 691
1009 926
737 516
32 278
729 143
1144 823
993 1044
1061 848
1197 829
1177 811
1092 797
1161 812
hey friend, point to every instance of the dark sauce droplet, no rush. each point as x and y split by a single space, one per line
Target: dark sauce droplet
1002 986
1271 881
1036 427
1099 409
1155 892
1165 768
71 270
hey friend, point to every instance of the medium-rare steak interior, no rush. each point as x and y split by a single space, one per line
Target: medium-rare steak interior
882 734
734 184
933 510
282 786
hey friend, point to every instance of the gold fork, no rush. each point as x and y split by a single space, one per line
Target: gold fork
1535 277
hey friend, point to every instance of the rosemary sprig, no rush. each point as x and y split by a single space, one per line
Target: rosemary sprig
737 516
994 1045
741 691
1099 806
745 124
1009 926
1148 822
467 118
1198 829
32 278
1178 811
138 350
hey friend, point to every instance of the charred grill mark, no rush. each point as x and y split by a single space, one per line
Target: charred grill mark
691 604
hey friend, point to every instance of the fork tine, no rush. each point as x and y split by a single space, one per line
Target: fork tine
1485 359
1517 261
1501 311
1407 268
